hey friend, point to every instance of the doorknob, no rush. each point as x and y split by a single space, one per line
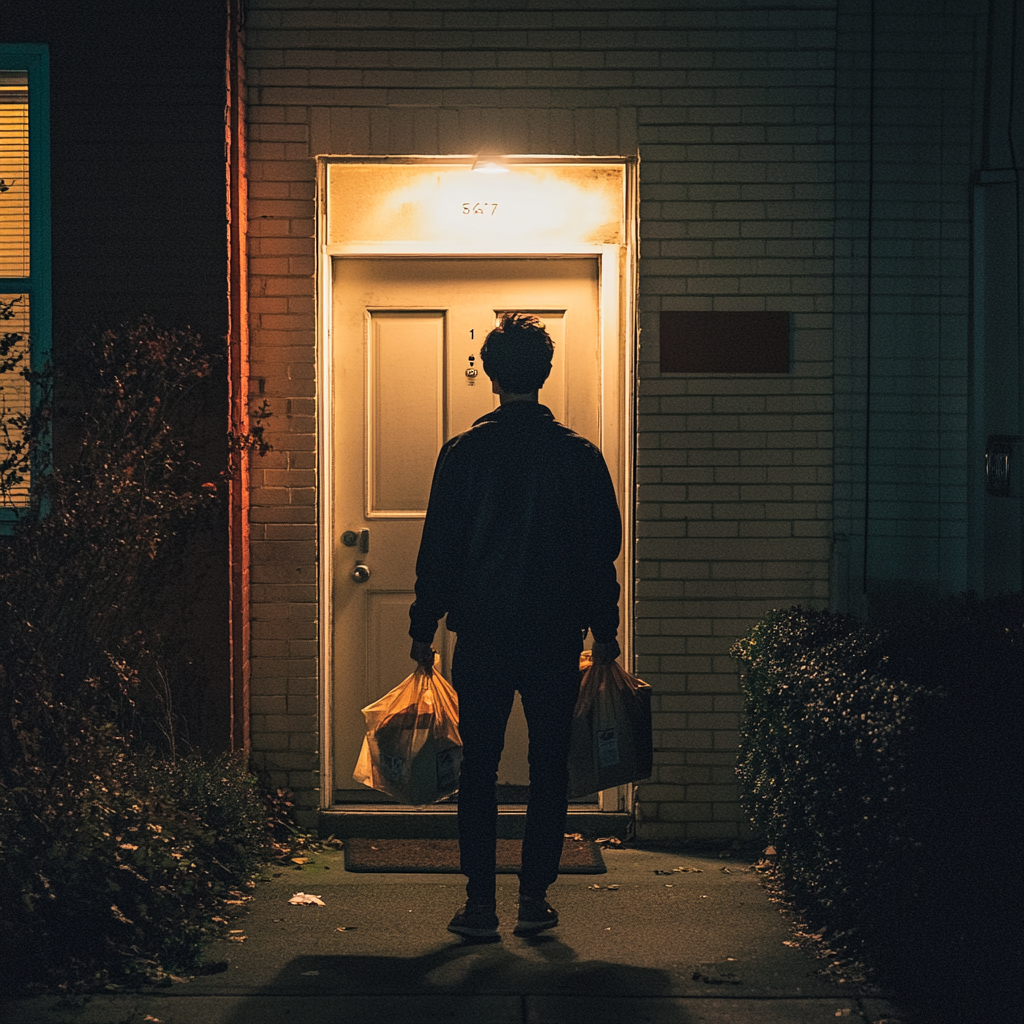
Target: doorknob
361 573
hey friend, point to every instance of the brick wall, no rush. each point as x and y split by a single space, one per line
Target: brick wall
137 196
732 115
905 153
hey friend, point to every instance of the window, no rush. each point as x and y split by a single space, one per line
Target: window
24 256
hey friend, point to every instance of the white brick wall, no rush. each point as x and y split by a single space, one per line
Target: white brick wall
903 169
733 113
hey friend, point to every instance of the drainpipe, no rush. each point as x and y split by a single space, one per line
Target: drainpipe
995 551
238 372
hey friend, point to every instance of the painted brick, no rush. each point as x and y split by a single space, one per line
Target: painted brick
732 111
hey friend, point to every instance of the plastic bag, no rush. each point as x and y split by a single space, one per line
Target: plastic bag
412 749
611 740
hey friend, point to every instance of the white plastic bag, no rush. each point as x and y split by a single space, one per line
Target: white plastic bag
412 749
611 741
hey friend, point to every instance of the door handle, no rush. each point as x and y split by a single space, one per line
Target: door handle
361 573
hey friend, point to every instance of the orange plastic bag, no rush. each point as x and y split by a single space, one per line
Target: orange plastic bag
412 749
612 742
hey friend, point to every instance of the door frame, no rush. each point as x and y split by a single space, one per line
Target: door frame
617 291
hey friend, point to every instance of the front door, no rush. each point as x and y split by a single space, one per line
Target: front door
406 376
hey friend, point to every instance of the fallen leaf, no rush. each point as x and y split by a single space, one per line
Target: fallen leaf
155 1020
300 860
574 835
302 897
726 871
347 928
769 851
236 938
608 841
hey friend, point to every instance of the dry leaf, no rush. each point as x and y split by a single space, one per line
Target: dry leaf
608 841
574 835
346 928
236 938
302 897
300 860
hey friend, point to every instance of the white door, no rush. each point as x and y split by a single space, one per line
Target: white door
407 376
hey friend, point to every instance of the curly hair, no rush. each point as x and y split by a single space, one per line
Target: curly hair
517 353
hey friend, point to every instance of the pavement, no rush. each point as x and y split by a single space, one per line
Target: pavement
701 945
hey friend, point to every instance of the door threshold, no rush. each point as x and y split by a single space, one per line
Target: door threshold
354 822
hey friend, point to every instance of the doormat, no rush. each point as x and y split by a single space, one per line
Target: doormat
441 856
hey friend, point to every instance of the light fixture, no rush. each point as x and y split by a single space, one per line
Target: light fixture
489 163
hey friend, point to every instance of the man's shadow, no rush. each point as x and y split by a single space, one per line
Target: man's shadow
479 970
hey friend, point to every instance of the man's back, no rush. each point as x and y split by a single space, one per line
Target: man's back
522 532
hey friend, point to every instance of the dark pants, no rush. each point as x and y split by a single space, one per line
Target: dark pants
486 675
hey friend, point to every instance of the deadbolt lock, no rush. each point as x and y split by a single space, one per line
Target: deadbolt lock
350 539
361 573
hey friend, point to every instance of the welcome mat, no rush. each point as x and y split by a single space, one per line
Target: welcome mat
441 856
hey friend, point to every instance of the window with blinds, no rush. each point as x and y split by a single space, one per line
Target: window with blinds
14 180
24 262
14 309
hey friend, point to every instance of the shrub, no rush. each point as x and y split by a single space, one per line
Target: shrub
119 871
114 851
883 763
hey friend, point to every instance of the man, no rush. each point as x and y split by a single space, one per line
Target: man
518 549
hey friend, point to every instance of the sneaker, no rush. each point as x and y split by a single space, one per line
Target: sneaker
475 921
534 916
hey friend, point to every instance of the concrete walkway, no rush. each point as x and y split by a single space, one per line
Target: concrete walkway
700 946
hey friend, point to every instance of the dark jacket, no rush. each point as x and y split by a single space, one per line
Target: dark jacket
521 534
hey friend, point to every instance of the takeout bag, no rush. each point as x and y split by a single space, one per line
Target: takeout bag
611 734
412 749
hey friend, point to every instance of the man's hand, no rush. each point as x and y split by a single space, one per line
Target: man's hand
422 654
605 653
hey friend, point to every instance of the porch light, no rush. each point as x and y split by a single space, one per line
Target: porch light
489 164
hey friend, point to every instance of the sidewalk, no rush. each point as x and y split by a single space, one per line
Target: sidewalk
704 946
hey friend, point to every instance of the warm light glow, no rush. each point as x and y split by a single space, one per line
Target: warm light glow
489 165
538 206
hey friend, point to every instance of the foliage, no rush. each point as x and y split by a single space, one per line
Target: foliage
122 871
882 763
113 853
18 431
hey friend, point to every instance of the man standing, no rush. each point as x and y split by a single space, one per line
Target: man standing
518 550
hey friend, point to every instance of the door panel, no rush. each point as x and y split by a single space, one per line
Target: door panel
405 332
405 429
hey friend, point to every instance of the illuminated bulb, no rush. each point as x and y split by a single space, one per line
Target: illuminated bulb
489 165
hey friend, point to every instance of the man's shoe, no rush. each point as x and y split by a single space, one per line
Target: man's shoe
535 916
475 921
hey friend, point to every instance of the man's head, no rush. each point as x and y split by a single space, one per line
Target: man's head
517 354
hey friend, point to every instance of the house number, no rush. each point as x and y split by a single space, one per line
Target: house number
479 208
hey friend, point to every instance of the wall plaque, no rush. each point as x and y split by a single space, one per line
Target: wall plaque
714 341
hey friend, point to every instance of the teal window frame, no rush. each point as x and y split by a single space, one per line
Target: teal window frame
34 58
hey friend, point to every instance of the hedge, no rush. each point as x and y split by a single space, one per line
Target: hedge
883 763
